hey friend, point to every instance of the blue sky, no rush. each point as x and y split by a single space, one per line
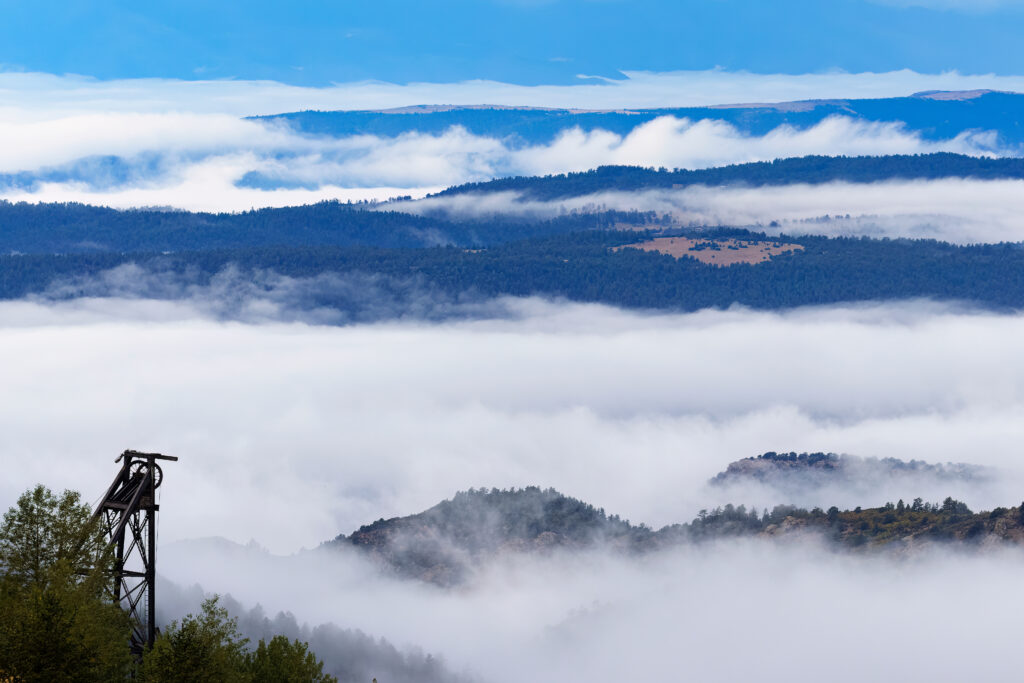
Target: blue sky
308 42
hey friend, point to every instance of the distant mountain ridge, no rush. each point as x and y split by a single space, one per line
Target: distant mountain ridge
933 115
987 121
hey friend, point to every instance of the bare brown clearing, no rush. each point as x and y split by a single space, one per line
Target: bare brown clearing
716 252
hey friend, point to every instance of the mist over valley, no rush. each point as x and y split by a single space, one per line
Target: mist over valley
508 341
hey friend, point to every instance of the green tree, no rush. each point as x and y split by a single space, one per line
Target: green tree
46 538
208 648
200 649
833 514
284 661
56 621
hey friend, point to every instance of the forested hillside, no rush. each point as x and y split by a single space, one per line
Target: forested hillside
579 267
80 228
445 544
809 169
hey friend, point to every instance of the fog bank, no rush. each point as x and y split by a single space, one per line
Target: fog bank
723 612
957 210
291 433
213 162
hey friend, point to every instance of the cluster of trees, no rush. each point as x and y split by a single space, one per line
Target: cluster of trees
58 622
349 654
950 520
209 647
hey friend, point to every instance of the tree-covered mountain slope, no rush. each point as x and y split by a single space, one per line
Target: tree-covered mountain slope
442 545
809 170
368 283
73 228
67 228
447 543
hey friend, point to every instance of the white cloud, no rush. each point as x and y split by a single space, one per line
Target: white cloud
203 157
957 210
207 185
681 143
185 144
719 613
291 434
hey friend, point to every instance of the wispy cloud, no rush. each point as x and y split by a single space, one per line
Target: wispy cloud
607 618
957 210
291 432
184 143
202 162
37 93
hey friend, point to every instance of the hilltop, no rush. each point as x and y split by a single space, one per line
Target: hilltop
442 544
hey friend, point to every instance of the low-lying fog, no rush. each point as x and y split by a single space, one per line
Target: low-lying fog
957 210
734 611
291 433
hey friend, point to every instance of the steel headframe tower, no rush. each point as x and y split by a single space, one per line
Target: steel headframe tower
128 517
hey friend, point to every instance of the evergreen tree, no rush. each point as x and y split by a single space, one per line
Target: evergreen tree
200 649
56 621
208 648
284 661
